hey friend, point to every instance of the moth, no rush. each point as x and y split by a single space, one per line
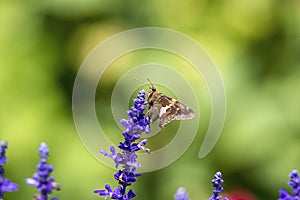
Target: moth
165 108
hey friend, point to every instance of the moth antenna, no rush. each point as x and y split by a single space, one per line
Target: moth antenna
136 79
150 82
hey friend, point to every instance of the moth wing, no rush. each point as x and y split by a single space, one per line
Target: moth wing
167 117
183 112
174 111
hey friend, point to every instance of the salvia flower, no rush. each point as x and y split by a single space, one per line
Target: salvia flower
5 184
137 124
41 179
294 182
181 194
217 184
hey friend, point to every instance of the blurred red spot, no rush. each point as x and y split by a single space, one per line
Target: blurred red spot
239 194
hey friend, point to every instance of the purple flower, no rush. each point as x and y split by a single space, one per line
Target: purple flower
217 184
137 124
294 182
41 179
181 194
5 184
116 194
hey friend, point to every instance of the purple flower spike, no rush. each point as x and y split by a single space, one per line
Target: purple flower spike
5 184
294 182
181 194
41 179
137 124
217 184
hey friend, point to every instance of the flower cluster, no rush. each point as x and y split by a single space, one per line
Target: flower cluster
5 184
294 182
41 179
181 194
217 184
137 123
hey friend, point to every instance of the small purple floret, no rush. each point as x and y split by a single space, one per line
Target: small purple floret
181 194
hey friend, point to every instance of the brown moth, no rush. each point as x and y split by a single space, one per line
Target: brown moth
166 109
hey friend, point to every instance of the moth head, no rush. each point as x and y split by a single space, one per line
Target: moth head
151 92
152 89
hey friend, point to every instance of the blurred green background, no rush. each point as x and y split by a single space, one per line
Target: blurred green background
255 44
